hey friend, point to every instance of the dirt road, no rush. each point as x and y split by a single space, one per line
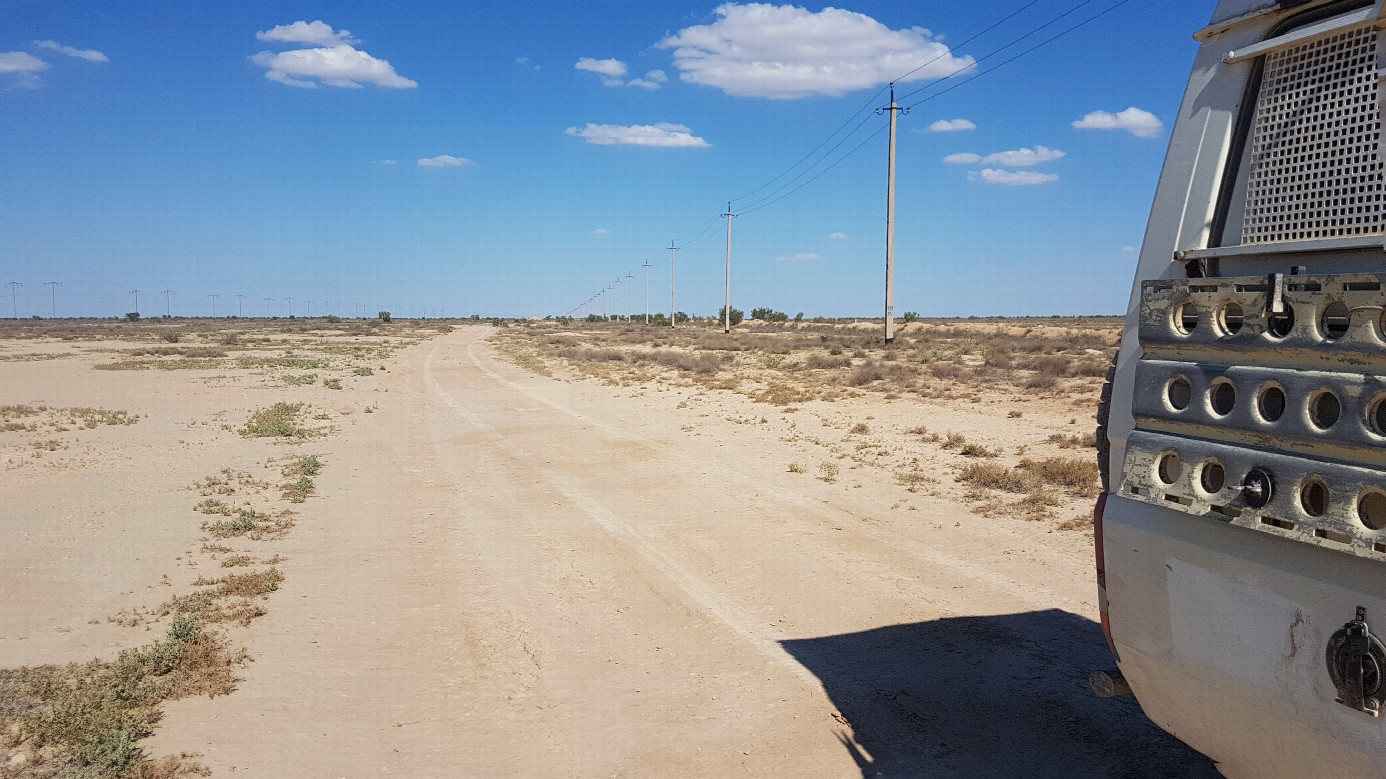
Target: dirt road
524 577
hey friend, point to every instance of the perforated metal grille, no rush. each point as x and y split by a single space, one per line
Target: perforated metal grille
1316 167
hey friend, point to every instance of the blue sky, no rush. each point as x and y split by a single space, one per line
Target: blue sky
514 158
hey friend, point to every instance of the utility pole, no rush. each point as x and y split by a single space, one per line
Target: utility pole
214 297
240 305
291 307
268 311
890 220
136 293
629 283
53 293
726 310
168 303
14 301
647 290
673 283
308 312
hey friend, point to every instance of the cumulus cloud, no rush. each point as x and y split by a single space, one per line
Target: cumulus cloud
601 231
785 52
611 67
1016 178
21 67
651 80
1017 158
612 70
338 66
799 257
317 33
837 236
335 62
1141 124
662 134
90 55
613 73
445 161
20 62
951 126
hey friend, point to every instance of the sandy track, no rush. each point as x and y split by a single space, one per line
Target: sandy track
515 576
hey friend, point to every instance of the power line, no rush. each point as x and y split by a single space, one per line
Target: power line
1041 44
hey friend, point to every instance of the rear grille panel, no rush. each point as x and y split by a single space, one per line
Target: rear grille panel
1316 169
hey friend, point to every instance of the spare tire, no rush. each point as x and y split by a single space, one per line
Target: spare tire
1104 415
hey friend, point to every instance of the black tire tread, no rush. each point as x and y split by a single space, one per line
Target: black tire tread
1104 416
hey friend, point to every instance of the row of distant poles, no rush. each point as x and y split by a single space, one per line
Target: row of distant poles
893 109
168 301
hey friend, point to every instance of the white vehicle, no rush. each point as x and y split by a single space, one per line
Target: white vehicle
1241 540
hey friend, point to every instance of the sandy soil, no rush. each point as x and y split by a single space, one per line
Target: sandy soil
504 574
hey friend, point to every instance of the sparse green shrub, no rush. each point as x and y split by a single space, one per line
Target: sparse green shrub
384 316
827 471
299 491
910 316
300 379
277 421
363 372
335 384
796 467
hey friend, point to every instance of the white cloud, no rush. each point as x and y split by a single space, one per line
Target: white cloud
1018 158
651 80
20 62
951 125
662 134
601 231
1016 178
799 257
611 70
763 50
837 236
1141 124
611 67
338 66
90 55
445 161
317 33
23 66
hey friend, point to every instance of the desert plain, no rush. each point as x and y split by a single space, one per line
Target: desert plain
551 548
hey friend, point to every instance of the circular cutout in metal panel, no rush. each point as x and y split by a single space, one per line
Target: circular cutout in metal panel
1230 318
1185 318
1333 322
1179 392
1376 415
1313 498
1282 324
1169 468
1270 404
1324 409
1212 477
1222 397
1371 509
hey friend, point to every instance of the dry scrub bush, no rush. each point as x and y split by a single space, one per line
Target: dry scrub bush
1077 477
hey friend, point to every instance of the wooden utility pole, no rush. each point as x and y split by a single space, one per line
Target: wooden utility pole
726 309
647 291
890 221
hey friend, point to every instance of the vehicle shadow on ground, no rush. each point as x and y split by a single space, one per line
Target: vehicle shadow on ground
988 696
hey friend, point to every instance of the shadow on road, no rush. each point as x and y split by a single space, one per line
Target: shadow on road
989 696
